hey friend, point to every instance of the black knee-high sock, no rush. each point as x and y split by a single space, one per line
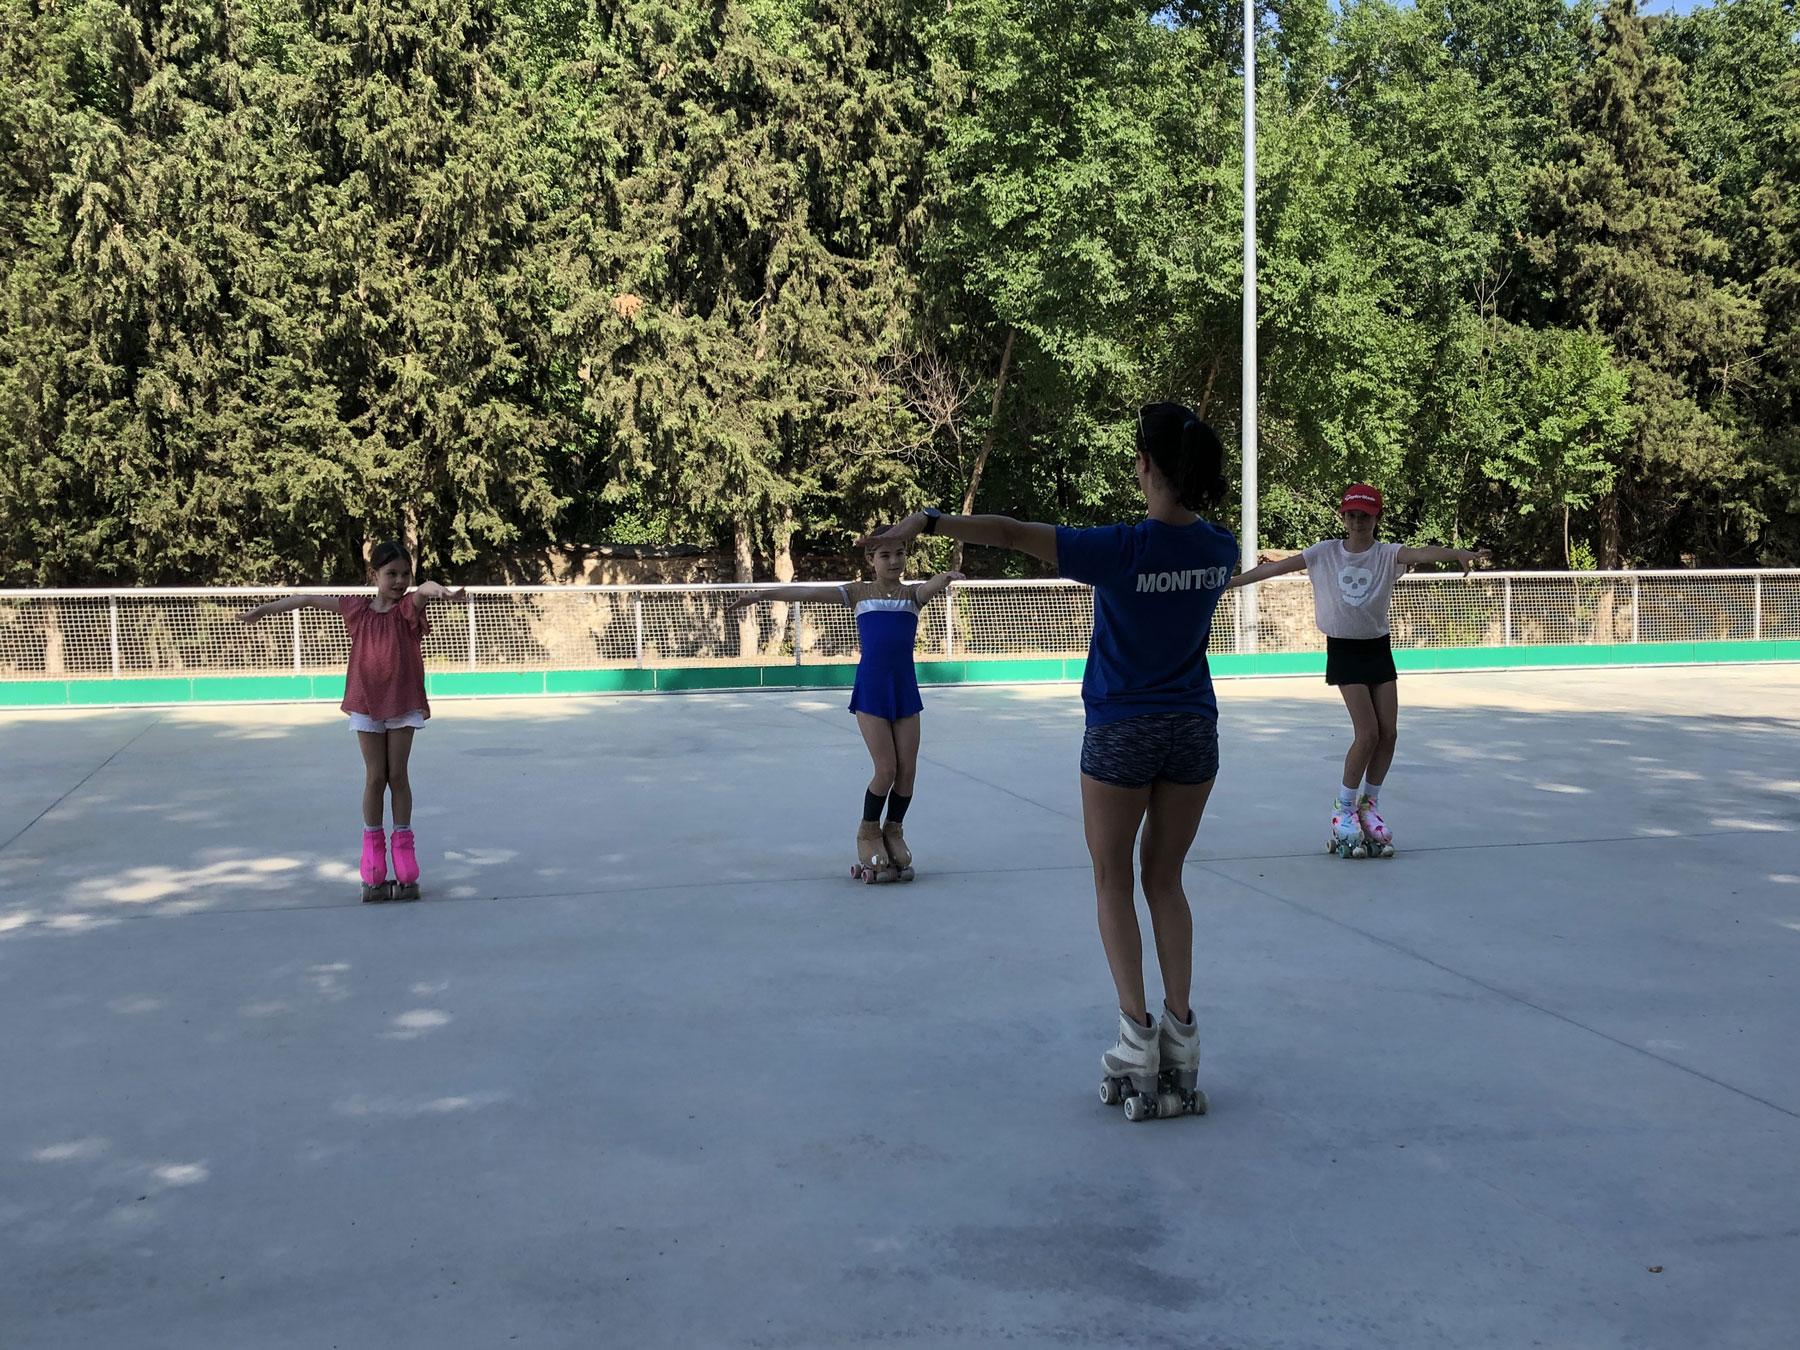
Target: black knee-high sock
897 807
871 805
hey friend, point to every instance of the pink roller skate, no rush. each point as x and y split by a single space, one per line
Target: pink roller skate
376 886
1374 828
406 867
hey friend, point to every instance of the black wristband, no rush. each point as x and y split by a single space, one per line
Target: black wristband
932 516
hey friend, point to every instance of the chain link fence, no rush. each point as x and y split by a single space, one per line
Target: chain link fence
96 633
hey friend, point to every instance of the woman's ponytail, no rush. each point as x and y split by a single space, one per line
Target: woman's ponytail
1186 451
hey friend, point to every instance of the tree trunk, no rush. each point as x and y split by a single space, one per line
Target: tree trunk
1212 374
987 443
1610 543
742 542
1566 556
784 573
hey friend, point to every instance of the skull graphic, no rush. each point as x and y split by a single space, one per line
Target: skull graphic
1354 584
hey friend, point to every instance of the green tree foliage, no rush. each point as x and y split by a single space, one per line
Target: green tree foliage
1078 238
278 277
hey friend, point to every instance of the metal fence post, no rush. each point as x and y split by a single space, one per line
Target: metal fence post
297 665
114 624
1634 608
799 651
1506 611
1756 609
950 620
471 632
637 614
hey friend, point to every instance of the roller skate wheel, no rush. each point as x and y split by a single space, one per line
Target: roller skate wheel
1358 851
1179 1103
906 874
408 891
1109 1092
1139 1107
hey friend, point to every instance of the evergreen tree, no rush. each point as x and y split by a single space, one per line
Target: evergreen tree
1622 249
1775 259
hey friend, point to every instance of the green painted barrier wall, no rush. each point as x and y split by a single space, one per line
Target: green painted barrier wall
161 690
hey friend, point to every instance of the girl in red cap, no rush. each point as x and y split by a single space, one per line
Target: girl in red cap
1353 583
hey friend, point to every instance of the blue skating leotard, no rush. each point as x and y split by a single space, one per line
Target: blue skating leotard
886 684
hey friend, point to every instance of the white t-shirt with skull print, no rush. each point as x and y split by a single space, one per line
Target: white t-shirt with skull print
1351 590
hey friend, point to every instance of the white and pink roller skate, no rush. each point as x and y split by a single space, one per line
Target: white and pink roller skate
1347 839
1375 830
406 867
375 884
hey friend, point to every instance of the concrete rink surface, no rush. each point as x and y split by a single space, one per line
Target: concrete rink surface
645 1068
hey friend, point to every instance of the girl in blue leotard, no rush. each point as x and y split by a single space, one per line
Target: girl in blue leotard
885 698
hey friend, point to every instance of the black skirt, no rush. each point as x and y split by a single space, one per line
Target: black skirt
1360 660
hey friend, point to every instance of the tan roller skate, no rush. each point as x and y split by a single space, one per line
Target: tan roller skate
899 855
872 862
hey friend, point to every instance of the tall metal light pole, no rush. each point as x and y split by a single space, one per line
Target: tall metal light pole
1247 536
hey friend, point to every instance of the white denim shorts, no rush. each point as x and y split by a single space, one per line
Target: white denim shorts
363 722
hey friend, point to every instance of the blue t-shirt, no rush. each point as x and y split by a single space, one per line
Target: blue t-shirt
1155 589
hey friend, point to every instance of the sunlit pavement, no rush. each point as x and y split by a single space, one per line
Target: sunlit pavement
646 1068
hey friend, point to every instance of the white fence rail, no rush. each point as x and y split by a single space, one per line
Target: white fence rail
61 634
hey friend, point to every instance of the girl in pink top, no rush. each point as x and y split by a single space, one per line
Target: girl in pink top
384 693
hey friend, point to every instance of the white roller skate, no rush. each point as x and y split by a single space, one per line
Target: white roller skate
1375 831
872 862
1347 840
1131 1069
899 855
1178 1082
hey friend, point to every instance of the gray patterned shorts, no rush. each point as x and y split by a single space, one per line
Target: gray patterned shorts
1175 747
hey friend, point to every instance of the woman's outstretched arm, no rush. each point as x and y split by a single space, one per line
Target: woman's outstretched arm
1019 536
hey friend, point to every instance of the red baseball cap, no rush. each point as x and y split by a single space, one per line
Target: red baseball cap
1361 497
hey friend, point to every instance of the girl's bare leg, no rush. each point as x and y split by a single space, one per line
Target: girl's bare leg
1110 816
906 753
1367 733
1169 829
1385 699
373 745
399 752
878 735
